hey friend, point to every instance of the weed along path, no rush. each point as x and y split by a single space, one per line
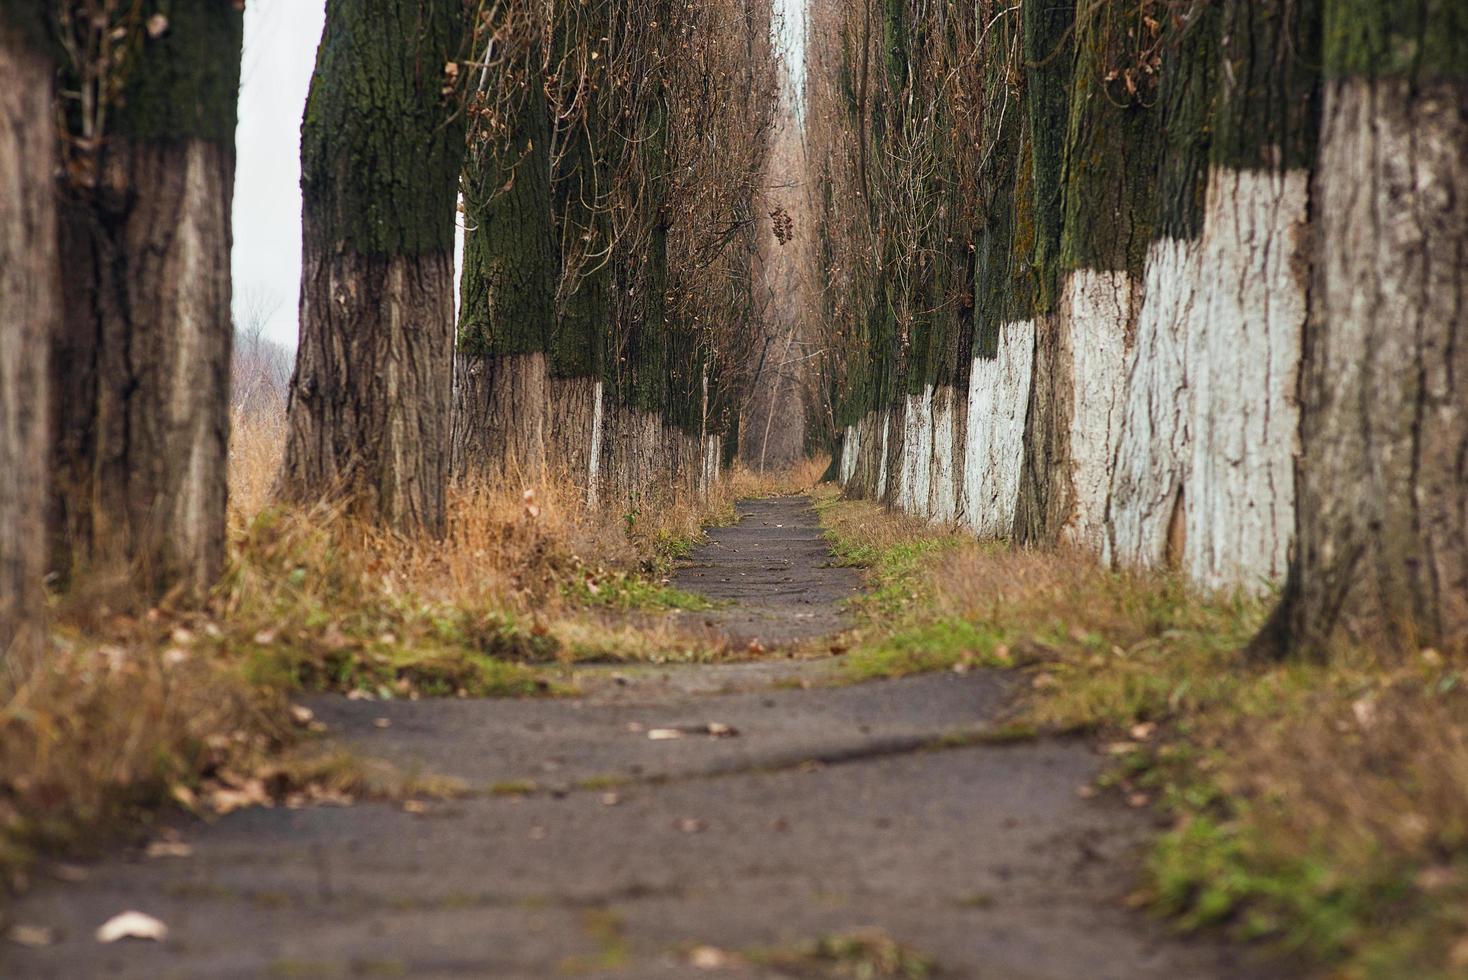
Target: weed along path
745 819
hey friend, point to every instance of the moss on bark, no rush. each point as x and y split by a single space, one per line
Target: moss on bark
1186 100
381 144
1421 40
508 287
1111 153
1049 57
1268 83
185 84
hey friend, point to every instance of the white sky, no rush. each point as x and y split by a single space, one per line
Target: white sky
280 52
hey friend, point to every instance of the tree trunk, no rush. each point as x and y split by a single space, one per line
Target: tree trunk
381 146
140 368
508 294
30 308
1383 504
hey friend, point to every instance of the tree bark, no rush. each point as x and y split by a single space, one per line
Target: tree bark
30 309
140 367
1382 551
508 294
381 146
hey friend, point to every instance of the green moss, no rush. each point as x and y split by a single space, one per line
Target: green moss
508 288
1269 83
1421 40
1049 59
1186 97
381 144
1002 251
185 83
1112 147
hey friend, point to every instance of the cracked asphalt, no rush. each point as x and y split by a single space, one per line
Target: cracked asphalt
821 809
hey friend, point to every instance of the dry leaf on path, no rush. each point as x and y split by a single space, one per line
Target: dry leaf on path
25 934
131 925
664 734
169 849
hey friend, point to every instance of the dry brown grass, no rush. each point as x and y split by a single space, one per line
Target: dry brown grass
1323 806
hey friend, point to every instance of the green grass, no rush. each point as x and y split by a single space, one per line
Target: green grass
1322 808
631 592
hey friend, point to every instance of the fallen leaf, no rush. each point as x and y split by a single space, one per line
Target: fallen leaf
710 958
382 723
169 849
720 730
756 647
610 799
664 734
1042 682
690 825
415 806
24 934
69 872
1138 800
131 925
1143 731
1087 792
302 715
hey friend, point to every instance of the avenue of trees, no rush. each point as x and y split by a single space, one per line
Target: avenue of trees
605 160
1179 281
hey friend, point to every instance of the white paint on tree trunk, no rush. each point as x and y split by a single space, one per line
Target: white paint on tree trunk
1098 307
942 503
1152 452
917 453
1244 360
850 449
884 422
998 399
593 461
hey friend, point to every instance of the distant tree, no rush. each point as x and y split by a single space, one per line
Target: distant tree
260 370
381 147
30 308
140 368
508 292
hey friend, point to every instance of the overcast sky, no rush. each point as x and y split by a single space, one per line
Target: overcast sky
280 51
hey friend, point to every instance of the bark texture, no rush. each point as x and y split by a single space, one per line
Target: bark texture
30 310
140 370
574 431
508 294
1383 515
381 146
500 424
369 401
140 366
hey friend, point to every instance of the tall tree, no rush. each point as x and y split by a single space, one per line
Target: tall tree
140 368
1382 511
508 292
381 147
584 236
30 308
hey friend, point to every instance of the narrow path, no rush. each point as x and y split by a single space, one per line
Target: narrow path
821 814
